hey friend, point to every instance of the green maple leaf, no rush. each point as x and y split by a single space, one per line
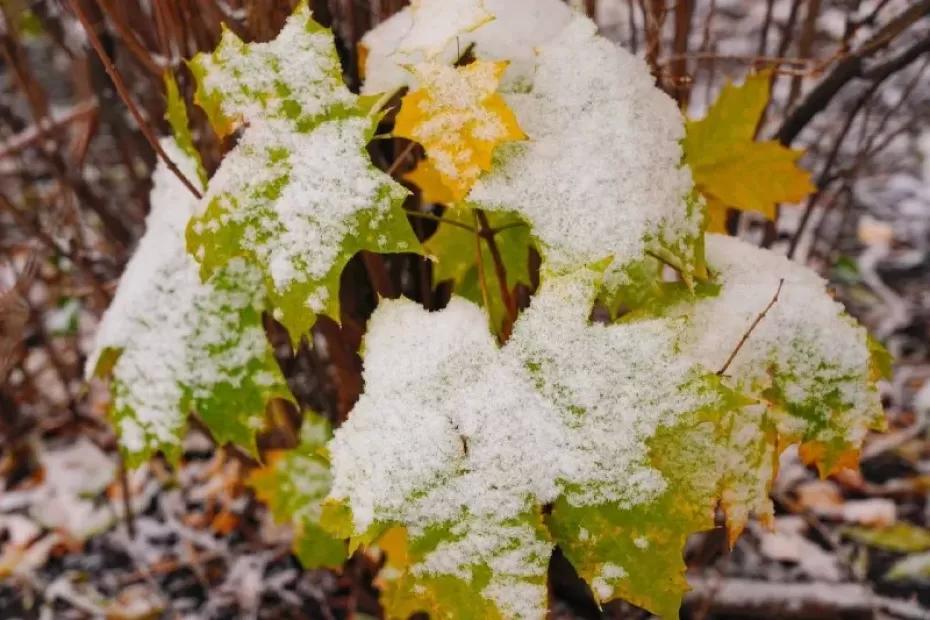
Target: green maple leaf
298 196
175 345
455 253
293 484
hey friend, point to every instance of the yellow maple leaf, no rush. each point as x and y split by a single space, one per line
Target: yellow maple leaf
730 168
432 188
459 118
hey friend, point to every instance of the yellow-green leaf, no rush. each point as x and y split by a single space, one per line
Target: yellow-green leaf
734 170
176 114
298 196
293 485
454 250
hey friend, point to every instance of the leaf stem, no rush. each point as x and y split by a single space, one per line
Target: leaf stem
500 271
400 158
482 279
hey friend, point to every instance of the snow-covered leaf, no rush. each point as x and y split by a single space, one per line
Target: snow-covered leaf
296 78
174 345
587 205
630 430
298 196
442 30
459 118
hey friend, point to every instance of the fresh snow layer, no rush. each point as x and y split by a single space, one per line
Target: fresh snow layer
295 76
424 31
806 340
453 431
322 181
177 337
627 196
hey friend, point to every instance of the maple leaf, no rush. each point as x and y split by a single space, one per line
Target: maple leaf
176 114
455 252
733 170
299 195
459 118
174 344
293 485
642 453
295 78
589 94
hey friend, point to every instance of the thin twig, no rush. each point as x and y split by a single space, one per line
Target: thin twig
849 68
127 500
752 327
127 99
482 278
400 158
443 220
499 269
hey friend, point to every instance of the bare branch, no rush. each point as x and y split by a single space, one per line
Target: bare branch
847 69
117 79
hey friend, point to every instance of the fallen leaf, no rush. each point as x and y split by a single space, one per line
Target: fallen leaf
901 537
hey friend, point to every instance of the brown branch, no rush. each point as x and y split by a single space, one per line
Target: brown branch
847 69
752 328
117 80
482 277
499 270
880 74
776 60
136 48
681 82
128 515
821 181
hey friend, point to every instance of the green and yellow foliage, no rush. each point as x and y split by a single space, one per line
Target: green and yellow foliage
474 450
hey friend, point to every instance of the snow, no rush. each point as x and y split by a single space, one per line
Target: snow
805 339
584 208
177 336
423 32
322 181
74 477
296 75
453 431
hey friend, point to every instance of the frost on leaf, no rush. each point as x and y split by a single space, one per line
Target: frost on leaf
293 484
586 206
731 169
629 430
298 196
174 345
458 117
443 30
